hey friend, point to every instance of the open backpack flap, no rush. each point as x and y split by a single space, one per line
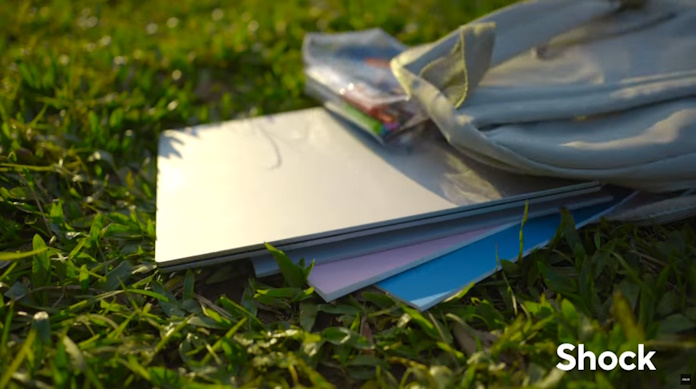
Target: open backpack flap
584 89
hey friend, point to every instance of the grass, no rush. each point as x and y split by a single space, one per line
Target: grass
85 89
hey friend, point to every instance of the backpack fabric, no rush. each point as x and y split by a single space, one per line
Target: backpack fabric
580 89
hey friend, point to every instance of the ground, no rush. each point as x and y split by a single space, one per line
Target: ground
85 89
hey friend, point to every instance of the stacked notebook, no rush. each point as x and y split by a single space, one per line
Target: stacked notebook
419 221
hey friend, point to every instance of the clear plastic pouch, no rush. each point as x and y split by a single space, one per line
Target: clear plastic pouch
350 74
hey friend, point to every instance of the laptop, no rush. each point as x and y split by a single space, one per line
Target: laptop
308 178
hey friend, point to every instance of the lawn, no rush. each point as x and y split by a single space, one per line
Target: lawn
85 89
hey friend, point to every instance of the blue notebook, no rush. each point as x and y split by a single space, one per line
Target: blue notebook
431 283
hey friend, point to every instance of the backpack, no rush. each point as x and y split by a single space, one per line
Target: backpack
582 89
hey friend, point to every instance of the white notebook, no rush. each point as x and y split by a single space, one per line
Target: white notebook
306 177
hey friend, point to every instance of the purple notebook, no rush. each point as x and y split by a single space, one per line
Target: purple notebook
338 278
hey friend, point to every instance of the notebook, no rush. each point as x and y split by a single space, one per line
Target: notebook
334 279
433 282
304 178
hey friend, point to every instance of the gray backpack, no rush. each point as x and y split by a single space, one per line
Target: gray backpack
584 89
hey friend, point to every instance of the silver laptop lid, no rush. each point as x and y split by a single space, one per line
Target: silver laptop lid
228 188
